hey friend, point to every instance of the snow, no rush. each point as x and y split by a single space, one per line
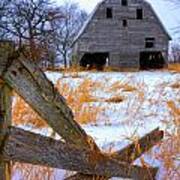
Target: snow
156 87
121 121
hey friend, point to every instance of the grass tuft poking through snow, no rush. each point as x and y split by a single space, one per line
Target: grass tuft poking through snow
174 67
117 108
80 100
115 99
23 114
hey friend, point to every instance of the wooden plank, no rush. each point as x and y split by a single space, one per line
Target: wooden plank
5 122
131 152
24 74
6 49
136 149
27 147
6 108
79 176
32 85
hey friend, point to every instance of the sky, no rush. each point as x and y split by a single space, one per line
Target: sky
166 10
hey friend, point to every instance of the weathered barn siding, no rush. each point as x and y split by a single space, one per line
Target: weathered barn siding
123 44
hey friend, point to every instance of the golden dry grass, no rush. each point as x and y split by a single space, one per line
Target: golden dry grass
23 114
119 69
81 99
176 85
174 67
170 147
73 71
115 99
125 86
175 113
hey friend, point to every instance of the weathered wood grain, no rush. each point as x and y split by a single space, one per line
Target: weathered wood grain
136 149
124 44
26 147
32 85
82 155
79 176
6 49
5 122
131 152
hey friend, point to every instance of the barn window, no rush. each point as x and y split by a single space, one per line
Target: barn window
124 2
124 22
139 14
109 13
149 42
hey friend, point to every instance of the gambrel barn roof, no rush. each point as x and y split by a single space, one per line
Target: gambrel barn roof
82 30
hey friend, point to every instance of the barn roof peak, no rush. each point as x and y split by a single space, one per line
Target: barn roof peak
103 1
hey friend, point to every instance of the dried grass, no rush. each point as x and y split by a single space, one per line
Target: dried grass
174 67
124 86
119 69
129 88
23 114
170 147
80 99
115 99
176 85
72 71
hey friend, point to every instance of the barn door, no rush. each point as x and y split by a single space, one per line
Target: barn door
151 60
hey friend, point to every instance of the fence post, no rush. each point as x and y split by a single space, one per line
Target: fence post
5 122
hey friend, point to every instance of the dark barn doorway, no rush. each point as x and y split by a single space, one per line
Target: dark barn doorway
151 60
94 60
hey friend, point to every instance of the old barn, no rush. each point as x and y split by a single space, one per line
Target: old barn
123 34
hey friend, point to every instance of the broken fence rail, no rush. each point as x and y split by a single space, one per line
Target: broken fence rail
80 149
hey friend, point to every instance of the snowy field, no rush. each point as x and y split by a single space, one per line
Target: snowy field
145 105
141 110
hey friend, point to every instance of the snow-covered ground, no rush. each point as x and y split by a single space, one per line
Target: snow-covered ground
155 88
135 114
141 110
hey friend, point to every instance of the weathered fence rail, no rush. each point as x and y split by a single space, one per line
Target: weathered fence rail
28 147
5 122
78 152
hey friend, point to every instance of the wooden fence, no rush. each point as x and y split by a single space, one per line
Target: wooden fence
77 151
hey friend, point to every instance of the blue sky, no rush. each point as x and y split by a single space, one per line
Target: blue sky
167 11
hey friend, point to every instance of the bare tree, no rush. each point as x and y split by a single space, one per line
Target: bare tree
67 29
28 23
175 53
3 13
